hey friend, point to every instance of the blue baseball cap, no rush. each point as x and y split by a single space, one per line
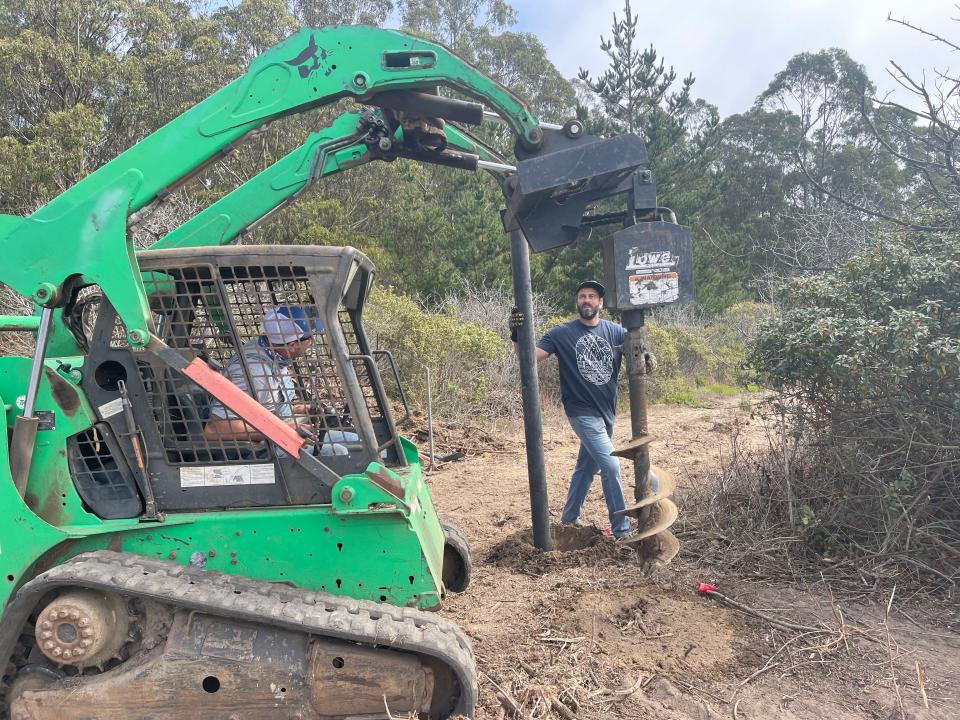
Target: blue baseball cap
289 323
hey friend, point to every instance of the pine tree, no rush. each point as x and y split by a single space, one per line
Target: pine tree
636 89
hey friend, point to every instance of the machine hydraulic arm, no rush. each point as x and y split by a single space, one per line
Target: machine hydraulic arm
81 235
353 139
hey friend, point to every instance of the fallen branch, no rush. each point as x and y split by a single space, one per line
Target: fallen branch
565 641
562 709
506 699
529 669
782 624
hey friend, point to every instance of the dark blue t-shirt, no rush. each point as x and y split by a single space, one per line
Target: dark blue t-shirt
589 360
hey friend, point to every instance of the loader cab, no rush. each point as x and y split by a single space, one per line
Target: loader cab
223 305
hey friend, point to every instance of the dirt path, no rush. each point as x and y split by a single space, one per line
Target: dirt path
583 627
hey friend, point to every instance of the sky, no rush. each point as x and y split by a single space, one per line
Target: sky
735 47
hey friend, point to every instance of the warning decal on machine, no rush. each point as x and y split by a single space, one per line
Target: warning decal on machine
224 475
656 281
654 289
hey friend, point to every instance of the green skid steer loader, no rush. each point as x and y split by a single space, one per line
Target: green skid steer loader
197 522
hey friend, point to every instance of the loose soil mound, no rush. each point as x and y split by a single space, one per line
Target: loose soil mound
571 547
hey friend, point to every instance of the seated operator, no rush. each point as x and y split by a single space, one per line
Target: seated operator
286 333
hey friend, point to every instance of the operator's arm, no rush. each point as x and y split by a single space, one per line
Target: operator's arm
546 346
226 429
237 429
224 425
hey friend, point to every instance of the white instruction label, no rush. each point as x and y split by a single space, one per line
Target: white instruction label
223 475
111 408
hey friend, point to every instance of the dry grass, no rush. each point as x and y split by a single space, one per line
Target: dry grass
789 510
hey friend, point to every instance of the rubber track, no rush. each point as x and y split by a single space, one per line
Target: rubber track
239 598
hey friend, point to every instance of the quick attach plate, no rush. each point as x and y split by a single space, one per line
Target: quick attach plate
548 196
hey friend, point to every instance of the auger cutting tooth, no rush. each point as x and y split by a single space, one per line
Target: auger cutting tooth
659 549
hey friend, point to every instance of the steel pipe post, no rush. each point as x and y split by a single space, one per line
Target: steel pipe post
530 389
26 425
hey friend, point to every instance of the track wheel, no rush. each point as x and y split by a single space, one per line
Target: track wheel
456 558
82 628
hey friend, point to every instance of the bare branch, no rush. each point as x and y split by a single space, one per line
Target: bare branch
932 35
867 211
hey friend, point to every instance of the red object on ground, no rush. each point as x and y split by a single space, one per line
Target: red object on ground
607 532
704 588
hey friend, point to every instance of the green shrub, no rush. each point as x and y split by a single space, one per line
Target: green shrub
867 360
696 359
679 391
744 320
663 346
456 352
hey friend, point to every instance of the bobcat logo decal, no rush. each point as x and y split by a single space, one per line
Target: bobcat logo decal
310 59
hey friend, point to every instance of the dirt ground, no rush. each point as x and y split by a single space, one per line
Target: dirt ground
581 632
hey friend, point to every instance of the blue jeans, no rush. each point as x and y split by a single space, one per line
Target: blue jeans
595 448
331 443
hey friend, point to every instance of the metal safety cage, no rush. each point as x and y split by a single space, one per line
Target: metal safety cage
283 324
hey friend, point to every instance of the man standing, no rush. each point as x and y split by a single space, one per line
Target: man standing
589 353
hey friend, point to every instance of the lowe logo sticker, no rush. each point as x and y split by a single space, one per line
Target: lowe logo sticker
653 277
650 259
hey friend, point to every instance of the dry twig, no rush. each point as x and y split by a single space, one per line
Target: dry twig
562 709
506 699
922 684
893 672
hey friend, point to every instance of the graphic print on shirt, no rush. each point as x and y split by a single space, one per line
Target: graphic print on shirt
594 359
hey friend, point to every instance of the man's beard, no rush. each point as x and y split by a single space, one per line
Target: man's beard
587 312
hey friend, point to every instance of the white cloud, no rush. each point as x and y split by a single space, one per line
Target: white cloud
734 48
